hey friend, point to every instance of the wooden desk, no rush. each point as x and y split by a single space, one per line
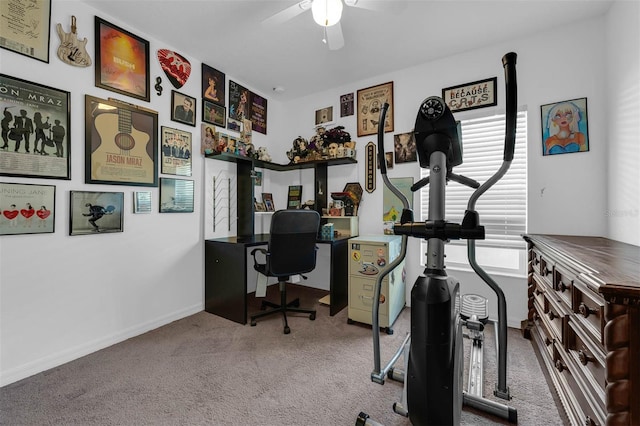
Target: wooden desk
225 270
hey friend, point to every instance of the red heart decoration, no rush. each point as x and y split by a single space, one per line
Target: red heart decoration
27 213
175 67
43 214
10 214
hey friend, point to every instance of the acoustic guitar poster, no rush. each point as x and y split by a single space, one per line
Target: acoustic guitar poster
121 143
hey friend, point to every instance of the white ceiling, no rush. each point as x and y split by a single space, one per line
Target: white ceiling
229 35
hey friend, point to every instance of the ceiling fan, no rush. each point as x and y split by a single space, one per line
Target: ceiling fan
327 14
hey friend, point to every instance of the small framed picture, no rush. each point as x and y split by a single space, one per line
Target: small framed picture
294 197
234 125
259 206
27 209
142 202
267 199
176 195
213 114
564 127
404 145
324 116
183 108
95 212
176 152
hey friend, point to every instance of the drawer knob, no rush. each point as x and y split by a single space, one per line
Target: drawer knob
560 366
584 358
536 261
589 422
585 311
538 292
551 315
546 271
547 341
563 287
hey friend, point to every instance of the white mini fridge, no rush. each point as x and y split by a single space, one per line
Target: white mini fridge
370 255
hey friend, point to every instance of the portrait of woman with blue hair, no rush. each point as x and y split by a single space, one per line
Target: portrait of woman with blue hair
565 127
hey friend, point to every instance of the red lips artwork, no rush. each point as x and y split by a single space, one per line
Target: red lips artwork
43 214
27 213
10 214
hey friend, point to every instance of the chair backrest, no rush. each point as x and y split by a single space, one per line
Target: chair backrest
292 242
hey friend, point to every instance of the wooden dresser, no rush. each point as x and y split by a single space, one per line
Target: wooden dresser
584 321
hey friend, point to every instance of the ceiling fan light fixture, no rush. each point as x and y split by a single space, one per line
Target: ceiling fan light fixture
326 12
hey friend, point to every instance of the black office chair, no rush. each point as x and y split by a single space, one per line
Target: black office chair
291 251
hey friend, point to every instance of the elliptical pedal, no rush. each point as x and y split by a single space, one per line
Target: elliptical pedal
474 305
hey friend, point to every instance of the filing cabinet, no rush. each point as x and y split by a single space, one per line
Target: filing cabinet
369 256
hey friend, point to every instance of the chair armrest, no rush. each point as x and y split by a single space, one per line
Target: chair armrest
253 253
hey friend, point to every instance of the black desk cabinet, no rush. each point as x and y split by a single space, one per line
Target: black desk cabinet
226 261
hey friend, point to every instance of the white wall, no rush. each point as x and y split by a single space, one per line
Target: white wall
62 297
566 194
623 115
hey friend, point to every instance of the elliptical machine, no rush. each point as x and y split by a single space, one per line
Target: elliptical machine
433 350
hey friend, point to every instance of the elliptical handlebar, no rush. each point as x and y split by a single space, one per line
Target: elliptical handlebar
511 90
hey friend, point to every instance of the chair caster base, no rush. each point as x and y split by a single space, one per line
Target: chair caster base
287 330
312 317
253 323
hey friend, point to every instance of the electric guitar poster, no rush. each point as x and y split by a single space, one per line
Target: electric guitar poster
121 143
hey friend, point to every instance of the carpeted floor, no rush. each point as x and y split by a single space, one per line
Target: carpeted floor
205 370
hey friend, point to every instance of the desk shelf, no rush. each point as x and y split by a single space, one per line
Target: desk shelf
281 167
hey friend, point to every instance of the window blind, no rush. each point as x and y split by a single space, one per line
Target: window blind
502 209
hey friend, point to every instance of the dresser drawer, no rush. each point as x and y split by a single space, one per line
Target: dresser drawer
546 336
539 288
585 408
555 315
589 309
563 284
588 357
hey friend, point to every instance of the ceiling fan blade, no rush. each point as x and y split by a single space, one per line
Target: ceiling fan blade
375 5
288 13
335 39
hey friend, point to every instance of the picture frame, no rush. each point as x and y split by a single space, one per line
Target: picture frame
474 95
141 202
176 195
209 140
404 148
565 127
49 111
183 108
121 143
267 199
234 125
214 114
86 208
294 197
259 206
346 105
122 61
370 101
324 116
213 86
258 115
27 208
176 152
33 37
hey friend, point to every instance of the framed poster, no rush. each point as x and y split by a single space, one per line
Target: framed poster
213 114
176 195
27 209
474 95
258 114
565 127
95 212
238 101
25 27
370 101
213 85
121 143
183 108
176 152
346 105
404 146
142 202
122 61
33 113
294 197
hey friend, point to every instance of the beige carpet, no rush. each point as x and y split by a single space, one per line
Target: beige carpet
205 370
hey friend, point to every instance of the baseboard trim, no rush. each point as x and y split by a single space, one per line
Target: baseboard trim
54 360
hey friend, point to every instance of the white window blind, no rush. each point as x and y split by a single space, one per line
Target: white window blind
502 208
